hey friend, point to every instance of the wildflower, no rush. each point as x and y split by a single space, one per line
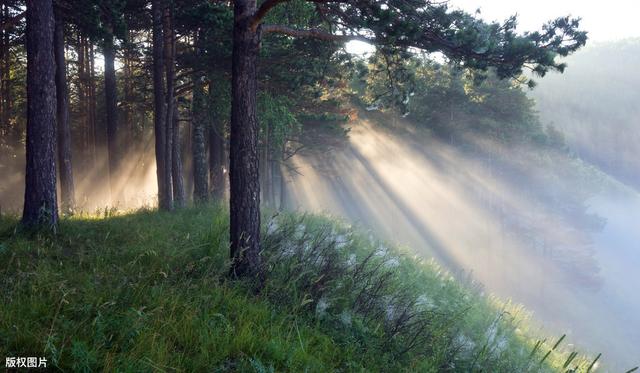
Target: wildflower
289 250
345 318
272 227
321 306
341 241
501 345
491 333
423 302
300 229
351 261
465 343
390 312
392 263
381 252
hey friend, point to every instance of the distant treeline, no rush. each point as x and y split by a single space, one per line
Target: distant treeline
595 103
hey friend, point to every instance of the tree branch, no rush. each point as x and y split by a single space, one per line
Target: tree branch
313 33
262 12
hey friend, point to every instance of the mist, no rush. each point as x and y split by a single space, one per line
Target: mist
519 230
421 142
134 184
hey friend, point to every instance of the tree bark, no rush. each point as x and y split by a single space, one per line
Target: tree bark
216 144
178 182
110 93
164 196
216 160
266 164
91 85
169 101
283 190
127 111
244 162
64 131
82 102
40 205
4 72
274 171
5 79
198 146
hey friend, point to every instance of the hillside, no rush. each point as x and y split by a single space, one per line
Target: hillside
147 291
594 103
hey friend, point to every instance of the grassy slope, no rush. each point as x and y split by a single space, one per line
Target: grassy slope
147 291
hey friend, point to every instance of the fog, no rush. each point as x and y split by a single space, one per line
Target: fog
134 185
490 217
558 234
543 237
595 104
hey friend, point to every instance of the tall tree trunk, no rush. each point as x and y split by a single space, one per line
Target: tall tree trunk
283 170
216 160
6 79
274 170
128 94
265 173
283 190
198 145
93 132
244 162
83 102
169 63
216 142
164 197
4 72
40 205
64 131
178 182
111 107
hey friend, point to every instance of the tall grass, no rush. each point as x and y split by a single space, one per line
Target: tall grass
148 291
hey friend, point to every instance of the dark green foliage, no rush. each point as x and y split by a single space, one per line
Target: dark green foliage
464 38
455 102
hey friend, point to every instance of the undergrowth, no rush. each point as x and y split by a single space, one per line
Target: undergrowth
148 291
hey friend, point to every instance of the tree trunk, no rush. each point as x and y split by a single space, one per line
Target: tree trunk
4 72
266 172
40 205
216 160
128 95
5 85
83 102
178 182
216 143
110 93
283 190
64 132
244 162
164 197
169 62
198 146
91 85
274 172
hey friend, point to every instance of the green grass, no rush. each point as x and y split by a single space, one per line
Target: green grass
148 291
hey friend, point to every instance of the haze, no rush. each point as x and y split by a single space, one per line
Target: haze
525 198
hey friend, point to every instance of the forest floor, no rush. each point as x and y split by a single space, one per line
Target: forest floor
148 291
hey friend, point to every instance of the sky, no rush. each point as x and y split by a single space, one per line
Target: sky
605 20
